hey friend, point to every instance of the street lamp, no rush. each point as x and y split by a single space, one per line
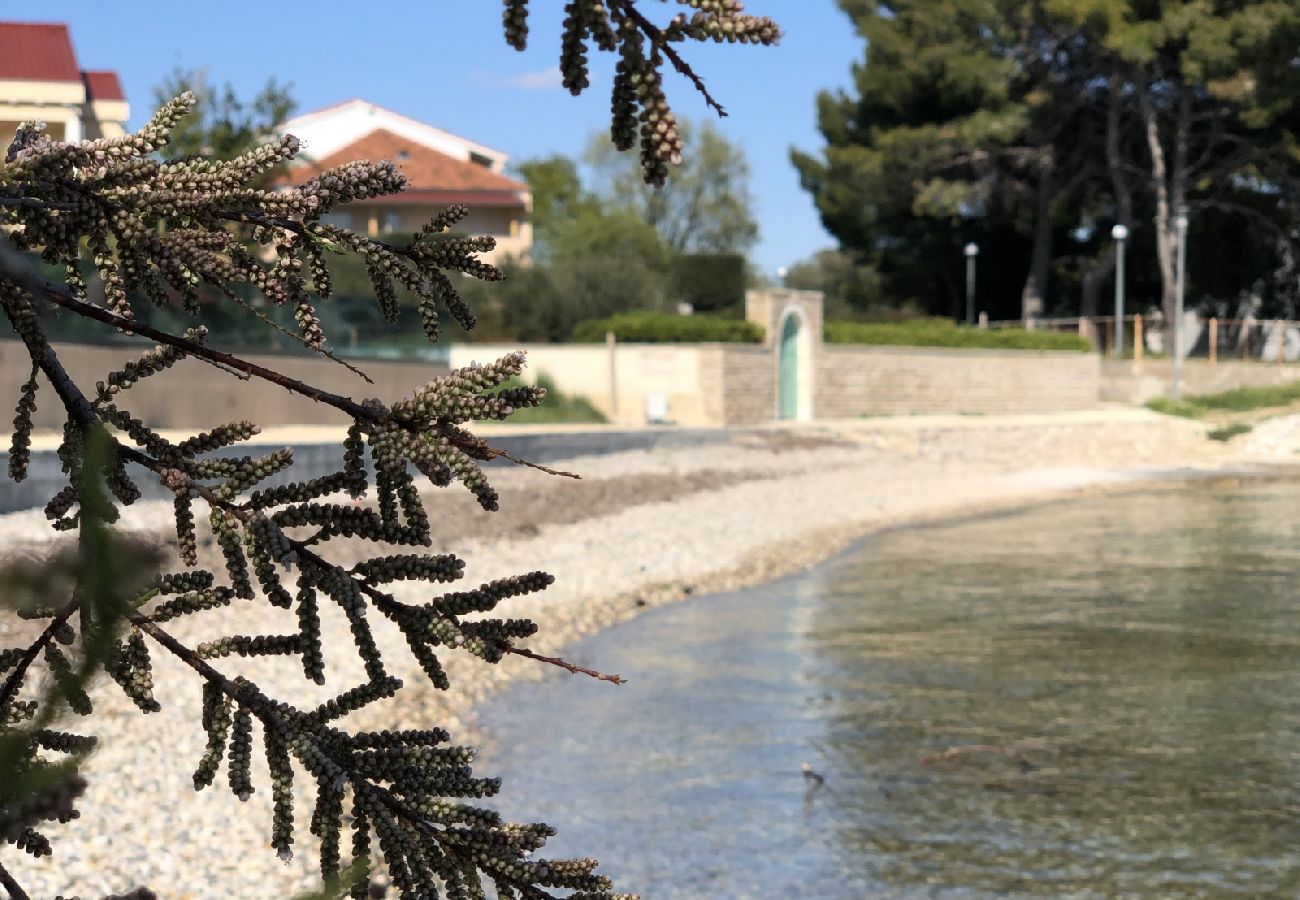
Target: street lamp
1120 234
781 273
971 250
1180 282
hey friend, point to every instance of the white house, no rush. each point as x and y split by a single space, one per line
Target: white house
441 167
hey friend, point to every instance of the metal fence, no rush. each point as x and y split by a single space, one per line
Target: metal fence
1213 339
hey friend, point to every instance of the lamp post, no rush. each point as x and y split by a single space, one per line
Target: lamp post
782 273
971 250
1180 281
1120 234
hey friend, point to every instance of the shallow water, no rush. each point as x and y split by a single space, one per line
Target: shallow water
1137 659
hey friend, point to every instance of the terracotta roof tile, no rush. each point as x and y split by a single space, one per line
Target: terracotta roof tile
102 85
37 51
425 168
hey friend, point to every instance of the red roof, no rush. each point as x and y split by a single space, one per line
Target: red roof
38 52
102 85
426 169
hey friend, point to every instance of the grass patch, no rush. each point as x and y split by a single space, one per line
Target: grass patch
558 407
1239 400
1228 432
936 332
1185 408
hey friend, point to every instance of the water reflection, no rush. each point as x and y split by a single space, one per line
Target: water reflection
1128 666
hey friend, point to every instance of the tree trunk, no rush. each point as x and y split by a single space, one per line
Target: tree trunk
1170 188
1035 290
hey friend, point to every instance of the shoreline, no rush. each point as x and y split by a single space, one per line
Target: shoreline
773 563
642 529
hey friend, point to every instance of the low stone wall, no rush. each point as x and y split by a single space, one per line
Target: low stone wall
1129 382
859 381
196 395
620 382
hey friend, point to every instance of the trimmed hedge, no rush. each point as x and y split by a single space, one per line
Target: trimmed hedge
644 326
934 332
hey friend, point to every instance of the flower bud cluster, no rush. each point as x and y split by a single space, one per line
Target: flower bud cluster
216 725
240 756
20 445
129 667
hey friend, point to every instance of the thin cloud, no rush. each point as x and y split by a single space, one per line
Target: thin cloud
543 80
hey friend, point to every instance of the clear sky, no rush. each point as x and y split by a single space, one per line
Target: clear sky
445 63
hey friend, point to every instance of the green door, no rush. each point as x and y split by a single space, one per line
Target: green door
790 368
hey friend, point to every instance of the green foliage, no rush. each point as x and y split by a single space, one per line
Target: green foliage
705 208
646 326
175 233
851 289
933 332
1237 400
959 126
558 407
224 125
710 282
1228 432
1171 407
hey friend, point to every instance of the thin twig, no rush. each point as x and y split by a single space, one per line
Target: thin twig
656 36
15 678
15 890
566 665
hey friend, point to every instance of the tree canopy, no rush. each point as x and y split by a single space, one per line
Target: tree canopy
1032 128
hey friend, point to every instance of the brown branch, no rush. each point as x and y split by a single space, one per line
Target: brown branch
15 890
566 665
15 679
61 297
656 36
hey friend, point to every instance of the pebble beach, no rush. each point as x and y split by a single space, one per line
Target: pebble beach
637 529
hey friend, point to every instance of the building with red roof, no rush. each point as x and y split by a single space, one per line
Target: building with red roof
40 78
441 169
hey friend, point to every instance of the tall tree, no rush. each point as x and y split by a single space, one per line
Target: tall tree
223 125
705 208
1031 126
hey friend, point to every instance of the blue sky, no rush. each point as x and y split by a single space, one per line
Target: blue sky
446 63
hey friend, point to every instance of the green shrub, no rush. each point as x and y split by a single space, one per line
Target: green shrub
558 407
935 332
646 326
1228 432
1185 408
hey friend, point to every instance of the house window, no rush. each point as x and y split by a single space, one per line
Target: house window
480 160
337 219
391 221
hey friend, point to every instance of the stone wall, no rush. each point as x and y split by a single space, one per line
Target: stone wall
1129 382
856 381
619 381
193 394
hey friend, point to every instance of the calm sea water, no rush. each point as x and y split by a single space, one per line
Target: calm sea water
1138 658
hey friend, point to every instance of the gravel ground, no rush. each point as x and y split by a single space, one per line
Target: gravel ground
639 529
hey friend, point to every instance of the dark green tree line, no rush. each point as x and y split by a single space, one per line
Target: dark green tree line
1031 128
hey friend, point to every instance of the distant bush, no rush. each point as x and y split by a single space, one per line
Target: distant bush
646 326
710 282
557 407
1228 432
1184 408
935 332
